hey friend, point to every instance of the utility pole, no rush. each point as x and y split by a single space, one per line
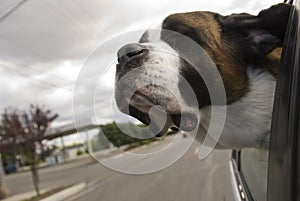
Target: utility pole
3 188
89 145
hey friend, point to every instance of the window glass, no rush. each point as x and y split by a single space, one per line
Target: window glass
254 168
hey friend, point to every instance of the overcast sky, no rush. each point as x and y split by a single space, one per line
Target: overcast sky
43 45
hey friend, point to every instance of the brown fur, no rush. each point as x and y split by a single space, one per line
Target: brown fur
204 29
226 47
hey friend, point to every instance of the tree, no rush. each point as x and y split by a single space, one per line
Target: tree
118 138
25 132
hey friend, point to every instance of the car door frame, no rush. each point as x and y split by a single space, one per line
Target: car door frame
283 179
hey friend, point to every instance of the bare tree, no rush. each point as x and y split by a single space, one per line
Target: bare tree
20 130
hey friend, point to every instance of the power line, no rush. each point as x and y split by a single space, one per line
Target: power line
22 74
13 9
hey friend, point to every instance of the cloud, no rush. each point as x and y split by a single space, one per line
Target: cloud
44 46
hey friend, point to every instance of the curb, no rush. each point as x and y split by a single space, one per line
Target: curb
62 195
23 196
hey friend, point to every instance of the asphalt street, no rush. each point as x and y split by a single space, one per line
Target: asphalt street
188 179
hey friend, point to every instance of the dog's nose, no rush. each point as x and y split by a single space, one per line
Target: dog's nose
130 50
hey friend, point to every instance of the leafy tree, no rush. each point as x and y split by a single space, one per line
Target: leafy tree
26 132
118 138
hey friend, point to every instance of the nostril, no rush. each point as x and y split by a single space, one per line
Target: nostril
135 53
130 50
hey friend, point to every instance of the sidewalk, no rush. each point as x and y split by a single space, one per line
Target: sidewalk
50 173
59 196
104 153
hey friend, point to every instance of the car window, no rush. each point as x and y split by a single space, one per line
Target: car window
254 164
254 169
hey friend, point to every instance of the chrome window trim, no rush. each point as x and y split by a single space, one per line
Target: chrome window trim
239 190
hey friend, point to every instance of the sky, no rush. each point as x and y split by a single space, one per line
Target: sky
45 44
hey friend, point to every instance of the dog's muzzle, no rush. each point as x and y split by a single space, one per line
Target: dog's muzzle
137 91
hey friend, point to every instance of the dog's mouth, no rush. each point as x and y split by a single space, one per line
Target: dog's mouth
186 122
141 95
144 99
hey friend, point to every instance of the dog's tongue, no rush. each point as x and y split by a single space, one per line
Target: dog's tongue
185 121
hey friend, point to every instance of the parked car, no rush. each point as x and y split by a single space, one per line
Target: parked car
10 168
273 174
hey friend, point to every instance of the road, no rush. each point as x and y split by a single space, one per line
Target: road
188 179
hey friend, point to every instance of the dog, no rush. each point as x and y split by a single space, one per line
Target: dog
246 51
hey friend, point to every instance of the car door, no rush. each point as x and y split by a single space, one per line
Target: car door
273 173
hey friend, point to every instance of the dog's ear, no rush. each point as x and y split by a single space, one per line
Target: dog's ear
264 32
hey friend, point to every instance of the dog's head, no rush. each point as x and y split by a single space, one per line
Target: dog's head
151 72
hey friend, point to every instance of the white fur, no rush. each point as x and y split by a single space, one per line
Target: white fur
161 67
248 120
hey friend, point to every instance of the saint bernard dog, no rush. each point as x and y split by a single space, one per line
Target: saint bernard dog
246 51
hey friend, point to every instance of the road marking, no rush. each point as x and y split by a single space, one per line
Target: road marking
197 151
118 156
